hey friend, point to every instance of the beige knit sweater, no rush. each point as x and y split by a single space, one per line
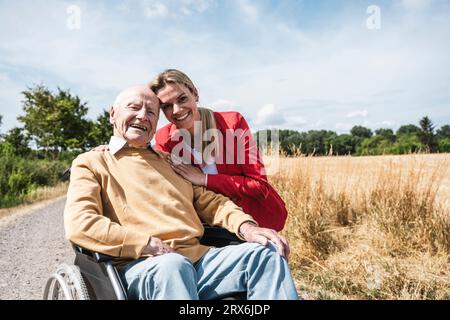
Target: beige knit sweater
115 203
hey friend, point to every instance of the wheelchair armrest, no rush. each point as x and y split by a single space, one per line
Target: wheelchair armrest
98 257
218 237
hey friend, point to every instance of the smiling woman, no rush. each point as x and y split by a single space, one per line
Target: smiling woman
245 181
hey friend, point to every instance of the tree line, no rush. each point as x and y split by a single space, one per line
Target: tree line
362 141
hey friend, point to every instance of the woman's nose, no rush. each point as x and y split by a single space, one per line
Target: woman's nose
176 108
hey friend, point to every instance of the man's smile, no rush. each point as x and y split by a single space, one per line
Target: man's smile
139 127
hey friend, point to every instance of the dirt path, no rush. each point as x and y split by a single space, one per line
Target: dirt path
32 245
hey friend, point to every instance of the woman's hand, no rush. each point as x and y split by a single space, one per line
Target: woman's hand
190 173
101 148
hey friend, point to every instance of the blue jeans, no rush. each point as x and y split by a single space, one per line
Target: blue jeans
250 267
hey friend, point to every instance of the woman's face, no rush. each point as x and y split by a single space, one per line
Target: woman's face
179 105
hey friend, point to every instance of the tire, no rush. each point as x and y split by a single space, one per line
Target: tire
66 283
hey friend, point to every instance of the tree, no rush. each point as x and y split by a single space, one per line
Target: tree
344 144
387 134
444 132
101 130
376 145
55 121
317 142
361 132
290 141
444 145
408 129
443 136
427 136
408 143
19 141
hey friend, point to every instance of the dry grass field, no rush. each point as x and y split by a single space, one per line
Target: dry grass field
368 227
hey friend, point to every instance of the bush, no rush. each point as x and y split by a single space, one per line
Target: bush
20 176
444 145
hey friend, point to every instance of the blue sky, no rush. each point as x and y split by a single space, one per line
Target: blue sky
293 64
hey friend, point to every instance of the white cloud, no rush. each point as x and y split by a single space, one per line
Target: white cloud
197 5
156 10
343 126
249 9
357 114
175 8
269 115
123 7
296 121
224 105
388 123
10 98
416 4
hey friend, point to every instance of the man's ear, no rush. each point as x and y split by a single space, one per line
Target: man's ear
111 115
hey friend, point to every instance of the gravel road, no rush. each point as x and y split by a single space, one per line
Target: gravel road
32 245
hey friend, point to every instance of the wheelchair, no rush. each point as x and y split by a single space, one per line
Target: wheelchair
93 275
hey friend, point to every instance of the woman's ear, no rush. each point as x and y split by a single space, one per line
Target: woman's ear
195 93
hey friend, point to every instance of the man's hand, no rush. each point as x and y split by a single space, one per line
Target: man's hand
252 233
156 247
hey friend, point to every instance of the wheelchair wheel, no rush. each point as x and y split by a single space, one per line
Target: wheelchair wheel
66 284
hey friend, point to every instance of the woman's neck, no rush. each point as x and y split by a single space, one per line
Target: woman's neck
192 130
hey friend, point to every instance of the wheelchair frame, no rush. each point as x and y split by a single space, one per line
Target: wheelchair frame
94 276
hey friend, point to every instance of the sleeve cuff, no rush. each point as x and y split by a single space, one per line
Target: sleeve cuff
133 244
238 232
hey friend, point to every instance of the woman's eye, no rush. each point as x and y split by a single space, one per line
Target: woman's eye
182 99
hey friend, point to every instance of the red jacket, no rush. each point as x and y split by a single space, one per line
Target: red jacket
246 184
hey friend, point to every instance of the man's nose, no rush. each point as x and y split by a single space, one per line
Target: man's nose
142 114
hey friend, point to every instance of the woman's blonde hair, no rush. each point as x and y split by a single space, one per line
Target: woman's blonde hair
172 76
207 118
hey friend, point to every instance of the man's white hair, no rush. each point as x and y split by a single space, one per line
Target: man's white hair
128 91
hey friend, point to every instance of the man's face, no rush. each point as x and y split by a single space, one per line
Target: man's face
135 115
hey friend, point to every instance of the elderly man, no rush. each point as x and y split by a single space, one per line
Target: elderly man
129 203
